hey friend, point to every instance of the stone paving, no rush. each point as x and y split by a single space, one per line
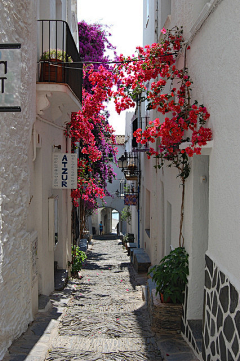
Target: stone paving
106 318
100 317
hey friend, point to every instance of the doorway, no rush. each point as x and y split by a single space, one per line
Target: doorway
200 218
115 221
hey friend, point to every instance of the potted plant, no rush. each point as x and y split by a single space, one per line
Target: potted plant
78 258
52 65
170 276
132 168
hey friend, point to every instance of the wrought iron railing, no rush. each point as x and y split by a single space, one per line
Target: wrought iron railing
59 60
128 162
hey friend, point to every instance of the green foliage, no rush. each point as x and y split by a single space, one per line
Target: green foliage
78 257
171 275
126 215
56 54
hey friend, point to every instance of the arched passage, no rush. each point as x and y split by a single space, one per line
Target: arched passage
105 214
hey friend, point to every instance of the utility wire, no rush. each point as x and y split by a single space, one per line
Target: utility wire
98 62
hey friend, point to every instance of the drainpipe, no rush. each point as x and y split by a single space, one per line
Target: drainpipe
139 171
156 22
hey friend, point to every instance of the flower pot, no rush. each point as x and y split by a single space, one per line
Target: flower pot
162 299
54 72
132 169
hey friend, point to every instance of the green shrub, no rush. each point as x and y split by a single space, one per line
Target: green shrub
171 275
126 214
78 258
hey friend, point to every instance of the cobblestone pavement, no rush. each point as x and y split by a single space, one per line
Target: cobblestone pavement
100 317
107 319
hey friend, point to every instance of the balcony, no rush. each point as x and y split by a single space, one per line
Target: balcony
128 162
60 67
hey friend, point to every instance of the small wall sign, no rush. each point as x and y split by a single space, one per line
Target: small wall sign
10 77
130 199
64 170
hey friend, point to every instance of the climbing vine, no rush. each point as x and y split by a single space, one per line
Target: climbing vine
181 130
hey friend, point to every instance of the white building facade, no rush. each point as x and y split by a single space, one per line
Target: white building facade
212 198
35 217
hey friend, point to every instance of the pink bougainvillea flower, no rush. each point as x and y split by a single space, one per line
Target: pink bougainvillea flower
163 31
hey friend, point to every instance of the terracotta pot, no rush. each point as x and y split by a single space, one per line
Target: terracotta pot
162 299
53 73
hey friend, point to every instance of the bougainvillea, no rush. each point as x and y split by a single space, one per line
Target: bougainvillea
93 44
92 134
89 128
185 121
182 132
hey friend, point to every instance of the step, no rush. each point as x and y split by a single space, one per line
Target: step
60 279
135 250
131 245
106 237
141 260
83 244
44 303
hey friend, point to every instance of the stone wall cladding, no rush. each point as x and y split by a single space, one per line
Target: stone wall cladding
187 331
17 26
221 331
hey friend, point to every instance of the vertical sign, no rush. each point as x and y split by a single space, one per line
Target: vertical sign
10 77
64 170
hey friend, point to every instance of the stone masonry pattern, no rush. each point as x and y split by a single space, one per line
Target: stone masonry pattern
221 332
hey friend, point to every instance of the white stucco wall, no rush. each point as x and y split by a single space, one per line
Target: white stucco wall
17 26
213 64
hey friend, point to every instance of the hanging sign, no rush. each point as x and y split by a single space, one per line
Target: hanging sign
10 77
130 199
64 170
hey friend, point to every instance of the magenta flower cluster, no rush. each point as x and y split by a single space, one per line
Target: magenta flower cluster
93 44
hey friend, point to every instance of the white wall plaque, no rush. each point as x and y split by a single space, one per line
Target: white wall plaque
64 170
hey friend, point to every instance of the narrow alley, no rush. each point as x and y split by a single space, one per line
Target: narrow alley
103 317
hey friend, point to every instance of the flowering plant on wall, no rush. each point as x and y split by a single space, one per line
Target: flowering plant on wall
89 128
92 134
93 43
170 94
170 91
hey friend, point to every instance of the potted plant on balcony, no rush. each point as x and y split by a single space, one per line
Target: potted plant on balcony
170 276
132 168
52 65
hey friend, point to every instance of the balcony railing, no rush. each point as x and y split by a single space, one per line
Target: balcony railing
128 162
61 62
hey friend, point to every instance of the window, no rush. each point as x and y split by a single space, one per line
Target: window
134 127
